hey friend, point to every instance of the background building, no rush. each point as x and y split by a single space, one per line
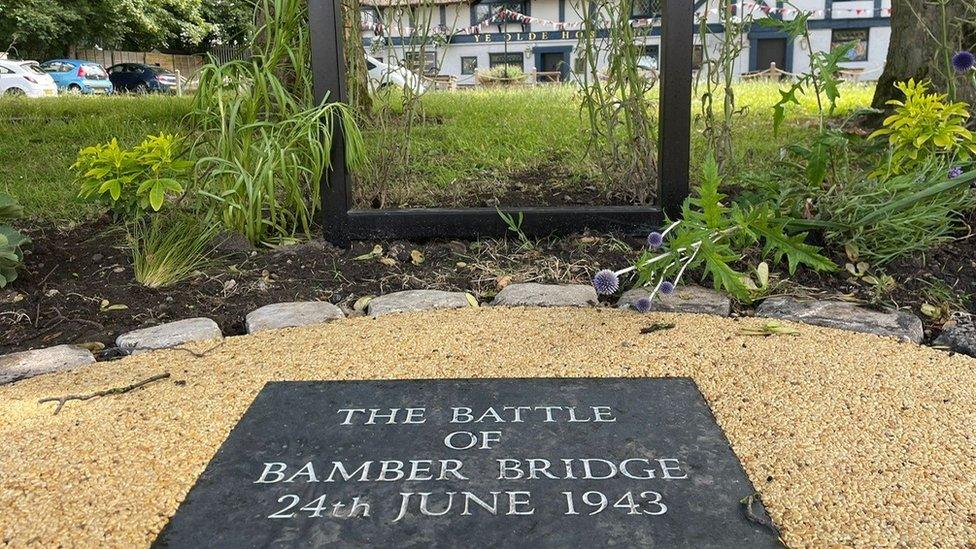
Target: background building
460 37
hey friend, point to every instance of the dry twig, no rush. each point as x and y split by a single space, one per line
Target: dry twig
62 400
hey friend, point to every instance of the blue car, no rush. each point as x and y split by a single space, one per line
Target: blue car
76 76
141 78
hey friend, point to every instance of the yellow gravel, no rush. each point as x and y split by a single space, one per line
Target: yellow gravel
851 439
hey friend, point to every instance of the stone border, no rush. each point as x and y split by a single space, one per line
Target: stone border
689 299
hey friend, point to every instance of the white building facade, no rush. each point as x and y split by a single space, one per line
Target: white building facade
463 37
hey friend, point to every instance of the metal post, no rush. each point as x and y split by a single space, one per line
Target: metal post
329 73
674 135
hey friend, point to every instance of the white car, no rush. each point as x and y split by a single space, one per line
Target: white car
25 78
383 76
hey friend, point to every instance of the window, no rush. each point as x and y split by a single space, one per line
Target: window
697 57
646 9
649 60
469 65
369 18
511 58
484 11
427 64
858 37
5 70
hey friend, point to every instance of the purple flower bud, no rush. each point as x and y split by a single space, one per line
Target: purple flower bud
667 288
964 61
606 282
643 305
955 172
655 240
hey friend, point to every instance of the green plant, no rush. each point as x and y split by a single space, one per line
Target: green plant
512 73
712 237
718 77
132 181
11 240
515 226
823 79
263 141
169 248
889 218
618 99
922 127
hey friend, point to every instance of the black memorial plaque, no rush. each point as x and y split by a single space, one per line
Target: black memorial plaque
473 463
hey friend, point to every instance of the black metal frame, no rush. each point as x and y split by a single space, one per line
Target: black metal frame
342 224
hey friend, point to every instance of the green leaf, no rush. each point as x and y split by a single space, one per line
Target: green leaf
156 197
794 248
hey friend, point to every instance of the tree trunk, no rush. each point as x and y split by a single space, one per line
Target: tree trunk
914 53
357 84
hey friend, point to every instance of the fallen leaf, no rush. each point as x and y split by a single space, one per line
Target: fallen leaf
416 257
362 303
503 281
388 261
472 300
377 251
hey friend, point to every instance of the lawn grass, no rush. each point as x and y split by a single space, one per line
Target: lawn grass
486 141
40 138
477 143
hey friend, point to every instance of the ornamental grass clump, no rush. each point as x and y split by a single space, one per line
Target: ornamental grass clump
711 238
169 248
264 142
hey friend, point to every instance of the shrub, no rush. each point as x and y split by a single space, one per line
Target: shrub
924 126
11 241
133 181
169 248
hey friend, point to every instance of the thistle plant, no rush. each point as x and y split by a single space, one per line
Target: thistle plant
711 238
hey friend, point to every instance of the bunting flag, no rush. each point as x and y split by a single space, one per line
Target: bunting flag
506 15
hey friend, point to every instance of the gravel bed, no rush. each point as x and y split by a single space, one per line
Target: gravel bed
851 439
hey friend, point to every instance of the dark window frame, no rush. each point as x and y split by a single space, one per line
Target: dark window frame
469 58
510 55
342 223
866 31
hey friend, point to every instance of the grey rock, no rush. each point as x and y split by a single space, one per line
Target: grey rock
958 335
169 335
546 295
290 315
26 364
845 316
416 300
685 299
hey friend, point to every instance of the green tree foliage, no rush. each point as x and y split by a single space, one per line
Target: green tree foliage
52 27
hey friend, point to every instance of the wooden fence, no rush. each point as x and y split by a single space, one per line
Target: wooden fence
186 64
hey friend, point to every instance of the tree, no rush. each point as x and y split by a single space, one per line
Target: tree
356 83
53 27
919 47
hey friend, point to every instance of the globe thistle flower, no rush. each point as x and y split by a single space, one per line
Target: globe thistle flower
667 288
642 305
964 61
606 282
655 240
955 172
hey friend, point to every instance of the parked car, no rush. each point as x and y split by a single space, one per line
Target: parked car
25 78
76 76
140 78
382 75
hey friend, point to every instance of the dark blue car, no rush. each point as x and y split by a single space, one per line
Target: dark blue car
140 78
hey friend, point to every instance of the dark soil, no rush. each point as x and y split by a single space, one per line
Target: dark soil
78 286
